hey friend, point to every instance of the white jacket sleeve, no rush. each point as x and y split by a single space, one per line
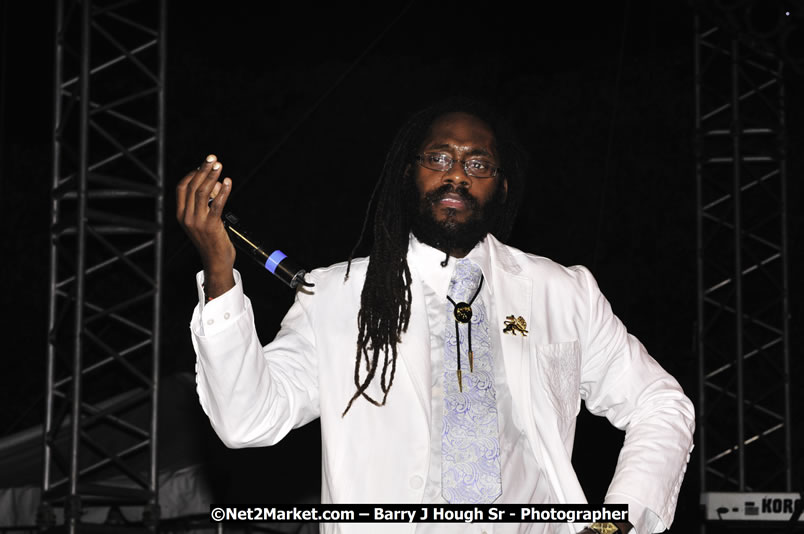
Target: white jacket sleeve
623 382
253 395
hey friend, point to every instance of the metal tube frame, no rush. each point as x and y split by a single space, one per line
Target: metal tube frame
105 260
743 339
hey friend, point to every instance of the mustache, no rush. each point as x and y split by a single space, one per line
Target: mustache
437 194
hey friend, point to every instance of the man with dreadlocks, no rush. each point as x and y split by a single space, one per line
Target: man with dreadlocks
447 366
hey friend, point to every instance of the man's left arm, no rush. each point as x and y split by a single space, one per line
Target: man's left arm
620 380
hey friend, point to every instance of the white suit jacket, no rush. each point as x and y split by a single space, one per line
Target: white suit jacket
576 349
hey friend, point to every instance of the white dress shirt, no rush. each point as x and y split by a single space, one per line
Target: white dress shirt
522 479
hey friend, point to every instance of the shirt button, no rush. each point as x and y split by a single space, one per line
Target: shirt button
416 482
210 321
226 315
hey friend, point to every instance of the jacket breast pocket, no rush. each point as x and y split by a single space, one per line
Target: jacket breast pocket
558 365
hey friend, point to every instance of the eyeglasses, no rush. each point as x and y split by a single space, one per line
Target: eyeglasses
475 167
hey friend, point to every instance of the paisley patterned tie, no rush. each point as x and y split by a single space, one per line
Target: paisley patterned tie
470 442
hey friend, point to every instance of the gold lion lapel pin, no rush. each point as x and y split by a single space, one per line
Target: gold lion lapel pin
514 325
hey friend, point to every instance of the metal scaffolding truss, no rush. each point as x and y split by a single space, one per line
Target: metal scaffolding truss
744 419
105 262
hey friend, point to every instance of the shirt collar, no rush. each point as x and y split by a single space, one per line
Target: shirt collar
426 261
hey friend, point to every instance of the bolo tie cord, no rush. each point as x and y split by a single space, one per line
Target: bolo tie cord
462 312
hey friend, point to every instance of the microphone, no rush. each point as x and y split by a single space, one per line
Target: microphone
276 262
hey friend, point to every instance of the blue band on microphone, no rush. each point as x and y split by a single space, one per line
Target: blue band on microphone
274 259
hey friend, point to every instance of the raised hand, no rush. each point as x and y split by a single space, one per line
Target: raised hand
201 220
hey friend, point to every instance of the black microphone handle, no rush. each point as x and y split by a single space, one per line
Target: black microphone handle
276 262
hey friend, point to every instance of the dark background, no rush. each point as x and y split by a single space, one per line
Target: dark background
602 96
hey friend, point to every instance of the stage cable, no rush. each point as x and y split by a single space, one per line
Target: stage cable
242 182
610 141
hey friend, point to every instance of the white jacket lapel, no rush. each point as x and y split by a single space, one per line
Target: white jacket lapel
414 352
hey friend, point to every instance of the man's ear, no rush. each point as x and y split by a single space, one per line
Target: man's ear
406 174
505 189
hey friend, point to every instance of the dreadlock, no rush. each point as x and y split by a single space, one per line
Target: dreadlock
386 298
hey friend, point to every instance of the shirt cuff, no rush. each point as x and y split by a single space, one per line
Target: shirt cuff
213 317
645 521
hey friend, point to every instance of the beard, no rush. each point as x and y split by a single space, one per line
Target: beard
448 234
